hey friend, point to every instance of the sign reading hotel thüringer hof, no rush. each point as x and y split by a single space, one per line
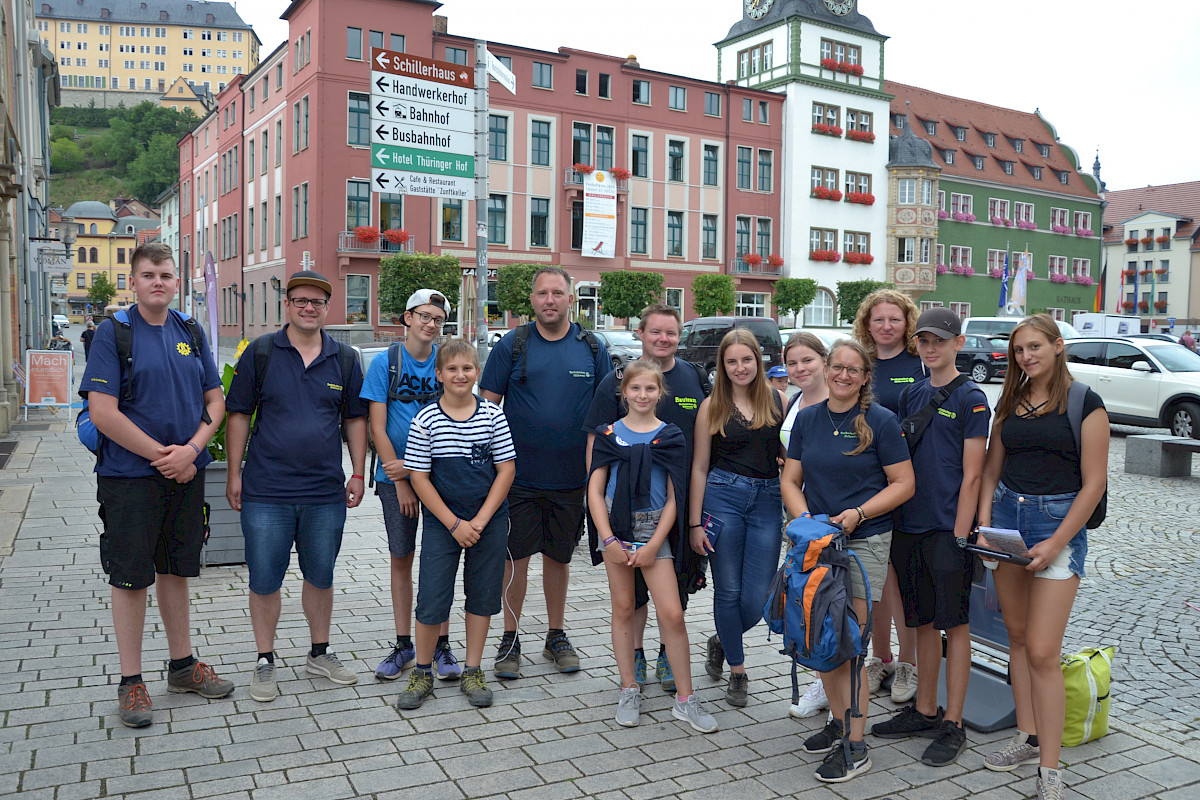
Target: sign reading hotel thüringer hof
422 126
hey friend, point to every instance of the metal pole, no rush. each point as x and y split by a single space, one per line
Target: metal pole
481 198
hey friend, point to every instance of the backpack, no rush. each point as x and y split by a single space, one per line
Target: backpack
393 394
1075 397
521 337
701 373
913 426
263 347
89 436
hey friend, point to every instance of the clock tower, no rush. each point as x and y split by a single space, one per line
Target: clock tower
827 59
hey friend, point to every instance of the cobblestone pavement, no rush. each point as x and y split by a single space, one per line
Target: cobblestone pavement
548 735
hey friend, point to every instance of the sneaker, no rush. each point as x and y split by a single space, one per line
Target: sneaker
262 683
877 671
904 686
813 701
693 712
400 659
135 705
944 749
834 768
738 689
327 665
198 678
714 665
629 707
639 666
664 673
909 722
824 740
1050 785
1015 753
474 686
420 686
508 657
558 649
445 665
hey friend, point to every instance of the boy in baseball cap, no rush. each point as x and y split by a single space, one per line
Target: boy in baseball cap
778 377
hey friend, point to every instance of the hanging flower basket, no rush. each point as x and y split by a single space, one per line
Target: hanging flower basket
860 136
1162 239
862 198
368 234
942 269
832 256
1131 242
858 258
1060 228
1058 277
583 169
821 193
774 260
827 130
829 64
621 174
752 259
1083 280
1085 232
1127 305
397 235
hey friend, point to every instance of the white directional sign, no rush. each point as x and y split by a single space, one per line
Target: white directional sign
501 73
447 142
414 90
392 181
406 113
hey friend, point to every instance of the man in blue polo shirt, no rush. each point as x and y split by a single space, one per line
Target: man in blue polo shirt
292 491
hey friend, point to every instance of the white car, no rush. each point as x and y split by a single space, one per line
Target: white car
1144 382
1003 326
61 321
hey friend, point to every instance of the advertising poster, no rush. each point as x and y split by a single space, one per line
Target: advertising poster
48 377
599 215
210 299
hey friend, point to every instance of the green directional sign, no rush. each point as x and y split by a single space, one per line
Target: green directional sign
414 159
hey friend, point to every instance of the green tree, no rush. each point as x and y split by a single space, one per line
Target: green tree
850 295
401 275
61 132
155 168
625 292
712 295
102 291
514 284
793 294
120 145
65 156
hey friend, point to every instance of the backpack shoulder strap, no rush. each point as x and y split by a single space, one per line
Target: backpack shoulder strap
1076 394
123 335
346 358
263 346
519 340
394 360
618 374
795 399
702 373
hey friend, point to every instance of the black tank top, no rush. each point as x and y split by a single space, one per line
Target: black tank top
751 453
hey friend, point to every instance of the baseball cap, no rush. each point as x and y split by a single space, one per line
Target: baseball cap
427 297
939 321
306 277
777 372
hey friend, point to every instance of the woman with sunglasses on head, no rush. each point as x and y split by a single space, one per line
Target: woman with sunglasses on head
1037 482
735 479
847 459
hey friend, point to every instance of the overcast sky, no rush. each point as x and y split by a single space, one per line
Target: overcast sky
1105 75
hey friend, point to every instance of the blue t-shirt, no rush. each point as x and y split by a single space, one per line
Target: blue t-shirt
890 376
417 388
834 481
679 405
295 456
546 411
939 456
169 383
658 475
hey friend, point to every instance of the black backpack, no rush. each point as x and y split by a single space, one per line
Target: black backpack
263 347
393 394
521 337
913 426
1075 397
701 373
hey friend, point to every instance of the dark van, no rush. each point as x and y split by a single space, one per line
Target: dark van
702 336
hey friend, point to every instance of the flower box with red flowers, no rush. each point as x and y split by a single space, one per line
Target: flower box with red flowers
962 269
1146 273
942 269
1162 271
1127 305
1083 280
846 68
397 235
1059 277
862 198
583 169
1085 232
1162 239
1147 239
858 258
752 259
829 64
832 256
821 193
774 260
860 136
1131 242
368 234
1128 273
1160 305
1060 228
1143 306
621 174
827 130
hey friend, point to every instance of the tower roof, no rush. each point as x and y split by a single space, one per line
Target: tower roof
814 10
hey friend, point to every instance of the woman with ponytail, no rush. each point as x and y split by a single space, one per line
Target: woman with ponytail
847 458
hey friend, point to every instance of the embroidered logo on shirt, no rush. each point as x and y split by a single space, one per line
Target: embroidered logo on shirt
336 387
904 380
184 349
579 373
689 403
946 413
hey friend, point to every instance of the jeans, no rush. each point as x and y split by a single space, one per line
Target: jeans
746 554
270 529
1037 517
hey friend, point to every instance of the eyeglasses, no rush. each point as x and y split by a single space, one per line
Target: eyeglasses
853 372
305 302
428 318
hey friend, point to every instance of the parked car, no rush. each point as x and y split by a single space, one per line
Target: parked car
826 335
1142 381
366 352
983 358
1162 337
1003 326
622 346
702 337
61 321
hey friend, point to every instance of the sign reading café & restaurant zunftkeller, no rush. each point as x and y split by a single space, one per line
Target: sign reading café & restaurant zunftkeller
422 126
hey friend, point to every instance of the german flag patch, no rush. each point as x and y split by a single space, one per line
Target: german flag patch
978 408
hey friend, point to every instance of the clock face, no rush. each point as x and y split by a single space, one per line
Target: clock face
756 9
840 7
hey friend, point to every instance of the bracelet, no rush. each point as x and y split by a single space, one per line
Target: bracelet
193 446
697 525
357 477
806 514
862 516
609 541
456 523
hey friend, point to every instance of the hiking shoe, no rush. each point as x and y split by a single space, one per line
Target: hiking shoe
824 740
420 686
714 665
664 673
813 701
629 707
327 665
508 657
877 671
909 722
639 666
693 712
135 705
834 768
198 678
904 685
1050 785
738 689
558 649
474 686
1017 752
400 659
262 683
944 750
445 665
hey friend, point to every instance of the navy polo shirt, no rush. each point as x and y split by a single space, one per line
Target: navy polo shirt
296 454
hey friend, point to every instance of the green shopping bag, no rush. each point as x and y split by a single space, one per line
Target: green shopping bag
1087 676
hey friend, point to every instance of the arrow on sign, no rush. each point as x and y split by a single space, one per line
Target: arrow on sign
396 183
382 84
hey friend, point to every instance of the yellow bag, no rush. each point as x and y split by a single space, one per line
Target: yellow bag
1087 675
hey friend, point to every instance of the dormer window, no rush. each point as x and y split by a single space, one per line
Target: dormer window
931 127
1062 177
1019 145
948 156
1037 173
960 134
898 121
1045 148
990 138
1008 168
978 162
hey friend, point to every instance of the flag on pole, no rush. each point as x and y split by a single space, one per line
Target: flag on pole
1004 280
1019 281
1098 303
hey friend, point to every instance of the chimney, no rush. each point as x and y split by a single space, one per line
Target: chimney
440 24
632 62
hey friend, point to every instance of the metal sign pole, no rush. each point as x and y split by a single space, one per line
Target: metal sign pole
481 198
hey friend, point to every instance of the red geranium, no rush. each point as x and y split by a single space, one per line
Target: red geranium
397 235
366 233
774 260
752 259
860 136
821 193
583 169
621 174
829 64
862 198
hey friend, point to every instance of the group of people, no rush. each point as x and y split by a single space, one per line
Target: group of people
668 472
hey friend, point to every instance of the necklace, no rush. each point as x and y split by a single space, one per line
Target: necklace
837 427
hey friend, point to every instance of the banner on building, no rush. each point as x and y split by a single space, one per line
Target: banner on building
210 299
48 378
599 215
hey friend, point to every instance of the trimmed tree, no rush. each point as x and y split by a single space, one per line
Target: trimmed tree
401 275
625 292
713 295
850 295
793 294
101 292
514 284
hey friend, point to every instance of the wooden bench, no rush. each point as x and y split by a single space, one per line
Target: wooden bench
1160 455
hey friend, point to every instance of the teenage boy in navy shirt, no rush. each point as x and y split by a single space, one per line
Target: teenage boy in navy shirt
934 573
150 475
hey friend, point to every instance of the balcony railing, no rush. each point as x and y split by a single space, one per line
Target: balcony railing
349 243
739 267
573 177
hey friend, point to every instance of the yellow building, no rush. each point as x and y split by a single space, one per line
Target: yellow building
133 50
103 244
182 94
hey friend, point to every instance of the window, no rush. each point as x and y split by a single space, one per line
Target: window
1164 271
354 43
747 110
358 122
751 304
457 55
637 230
677 98
452 211
766 173
604 147
997 208
978 160
989 139
250 161
581 143
1164 232
764 113
948 156
1007 166
497 137
120 254
708 236
81 281
712 158
926 192
641 92
358 204
543 75
581 81
820 311
121 281
906 191
839 51
930 127
755 60
856 242
576 225
995 260
858 120
675 160
604 88
497 219
858 182
641 156
358 298
263 242
396 43
1022 212
1083 219
822 239
278 142
250 303
764 237
375 39
1063 177
741 236
823 114
1081 267
1058 265
906 250
712 104
539 222
278 219
675 233
962 309
1060 217
960 256
743 167
539 143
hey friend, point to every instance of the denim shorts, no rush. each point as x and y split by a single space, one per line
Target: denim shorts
1037 517
483 571
270 530
401 529
643 525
